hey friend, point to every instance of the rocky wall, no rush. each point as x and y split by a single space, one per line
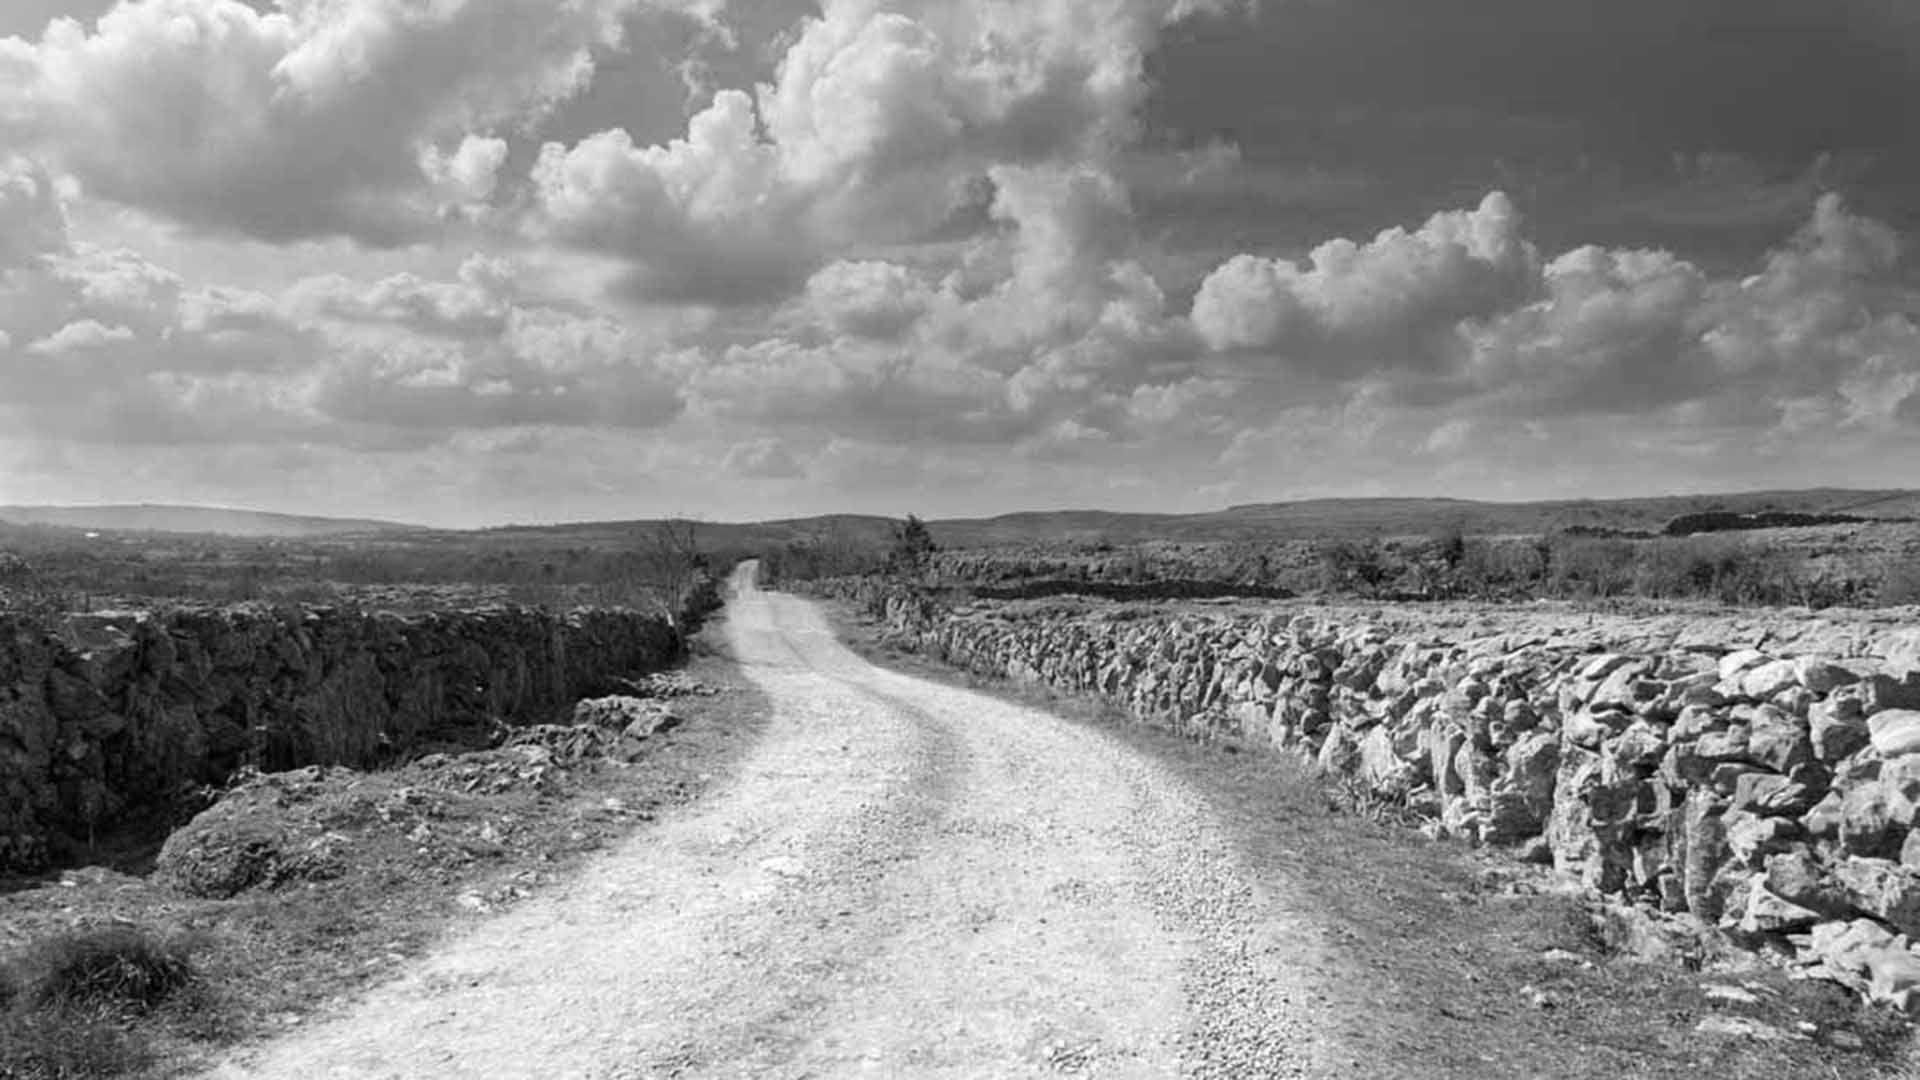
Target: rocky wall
109 718
1757 772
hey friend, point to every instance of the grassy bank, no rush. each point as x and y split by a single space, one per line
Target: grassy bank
110 972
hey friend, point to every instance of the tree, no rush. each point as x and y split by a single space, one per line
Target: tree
913 547
678 565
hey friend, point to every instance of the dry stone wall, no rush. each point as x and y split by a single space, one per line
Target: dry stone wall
1760 774
108 717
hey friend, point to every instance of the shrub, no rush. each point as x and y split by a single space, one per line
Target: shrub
102 970
1899 581
1347 565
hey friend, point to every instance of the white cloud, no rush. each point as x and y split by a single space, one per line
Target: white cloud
32 222
310 120
470 173
881 121
1397 300
79 336
868 299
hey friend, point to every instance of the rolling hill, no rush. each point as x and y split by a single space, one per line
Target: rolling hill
1300 520
149 517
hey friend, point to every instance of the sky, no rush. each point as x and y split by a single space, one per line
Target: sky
470 262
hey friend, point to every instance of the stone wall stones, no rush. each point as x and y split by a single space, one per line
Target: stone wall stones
1760 773
107 717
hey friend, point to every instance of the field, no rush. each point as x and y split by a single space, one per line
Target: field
425 848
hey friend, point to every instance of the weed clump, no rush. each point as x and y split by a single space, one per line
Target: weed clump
112 969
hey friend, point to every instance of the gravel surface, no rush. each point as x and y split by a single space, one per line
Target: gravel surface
905 879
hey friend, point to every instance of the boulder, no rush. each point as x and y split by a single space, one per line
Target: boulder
1703 842
1772 795
1340 753
1880 692
1884 889
1867 958
1734 664
1639 748
1902 652
1867 823
1779 741
1719 746
1824 820
1697 720
1590 731
1837 728
1750 838
1765 680
1384 766
1796 876
636 718
1769 913
1894 732
1822 676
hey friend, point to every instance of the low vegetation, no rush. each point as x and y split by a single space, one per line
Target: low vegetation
1857 564
121 971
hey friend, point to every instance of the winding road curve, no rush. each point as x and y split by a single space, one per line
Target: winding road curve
902 879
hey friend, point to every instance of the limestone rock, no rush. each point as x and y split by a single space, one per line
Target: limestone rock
1771 794
1770 913
1837 729
1765 680
1779 741
1821 675
1797 877
1867 823
1750 838
1883 889
1895 732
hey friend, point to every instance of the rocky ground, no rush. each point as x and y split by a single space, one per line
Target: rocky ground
300 889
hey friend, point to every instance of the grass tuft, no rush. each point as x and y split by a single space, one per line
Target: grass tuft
61 1044
110 969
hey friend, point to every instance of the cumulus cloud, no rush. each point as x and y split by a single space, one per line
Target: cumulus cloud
1399 299
77 336
868 299
314 119
880 122
32 221
124 351
469 173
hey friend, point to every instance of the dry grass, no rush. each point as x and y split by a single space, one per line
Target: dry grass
1465 963
418 861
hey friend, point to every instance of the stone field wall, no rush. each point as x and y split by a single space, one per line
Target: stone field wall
1759 773
111 717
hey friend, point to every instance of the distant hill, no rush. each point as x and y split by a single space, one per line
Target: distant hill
1303 520
146 517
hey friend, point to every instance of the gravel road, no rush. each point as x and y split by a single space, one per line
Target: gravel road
903 879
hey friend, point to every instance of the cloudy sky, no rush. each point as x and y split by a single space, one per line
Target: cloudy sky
477 261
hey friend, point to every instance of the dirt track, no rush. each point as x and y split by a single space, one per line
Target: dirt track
904 879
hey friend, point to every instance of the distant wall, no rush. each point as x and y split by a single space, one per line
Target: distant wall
1759 773
105 718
